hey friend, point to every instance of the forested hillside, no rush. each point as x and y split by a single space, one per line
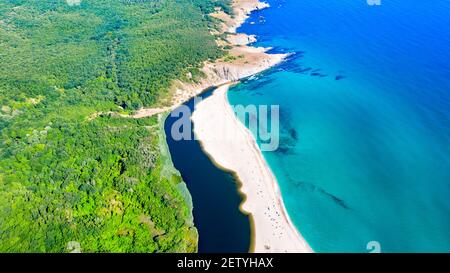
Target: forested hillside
72 180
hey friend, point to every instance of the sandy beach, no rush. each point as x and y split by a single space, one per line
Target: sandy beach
273 231
238 152
232 146
240 61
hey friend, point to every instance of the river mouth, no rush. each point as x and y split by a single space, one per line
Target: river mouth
221 225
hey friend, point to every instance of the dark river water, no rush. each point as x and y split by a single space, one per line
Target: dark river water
221 225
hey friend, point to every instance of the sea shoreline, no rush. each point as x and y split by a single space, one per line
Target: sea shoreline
272 229
247 61
263 231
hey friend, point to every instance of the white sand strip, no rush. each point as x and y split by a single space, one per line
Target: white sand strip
232 146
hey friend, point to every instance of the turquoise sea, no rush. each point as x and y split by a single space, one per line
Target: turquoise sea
365 120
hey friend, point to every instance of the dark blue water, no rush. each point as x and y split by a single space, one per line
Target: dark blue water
222 227
365 120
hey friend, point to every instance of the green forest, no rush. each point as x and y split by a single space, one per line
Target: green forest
72 179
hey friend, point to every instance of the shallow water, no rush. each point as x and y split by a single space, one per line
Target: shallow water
365 120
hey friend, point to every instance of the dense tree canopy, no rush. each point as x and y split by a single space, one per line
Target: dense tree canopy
72 179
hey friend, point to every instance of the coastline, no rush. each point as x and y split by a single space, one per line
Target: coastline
272 229
223 136
242 60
